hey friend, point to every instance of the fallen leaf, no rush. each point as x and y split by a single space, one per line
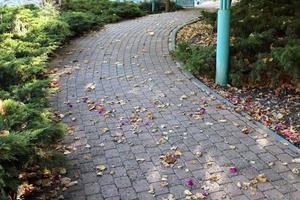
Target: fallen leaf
162 140
214 178
67 182
4 133
151 33
100 169
151 190
188 193
296 160
104 130
140 159
112 173
2 112
220 106
183 97
170 197
168 72
199 154
178 153
296 170
150 115
169 158
90 86
245 130
261 178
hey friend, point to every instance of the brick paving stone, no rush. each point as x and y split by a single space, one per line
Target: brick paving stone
91 188
122 182
128 193
274 194
109 191
128 65
141 185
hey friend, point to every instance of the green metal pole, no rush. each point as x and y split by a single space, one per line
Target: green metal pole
223 37
153 6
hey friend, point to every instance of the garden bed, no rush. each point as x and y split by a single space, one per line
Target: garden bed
277 107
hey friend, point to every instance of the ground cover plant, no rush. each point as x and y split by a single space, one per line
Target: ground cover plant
28 135
264 60
90 14
29 132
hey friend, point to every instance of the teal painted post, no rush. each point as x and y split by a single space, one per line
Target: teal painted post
153 6
223 38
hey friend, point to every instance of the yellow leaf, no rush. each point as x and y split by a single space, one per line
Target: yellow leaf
178 153
296 160
2 112
261 178
101 168
214 178
4 133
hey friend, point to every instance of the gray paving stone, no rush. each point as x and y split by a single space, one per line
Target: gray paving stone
122 182
109 58
91 188
109 191
141 185
128 193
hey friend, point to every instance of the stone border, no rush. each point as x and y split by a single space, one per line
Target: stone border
206 89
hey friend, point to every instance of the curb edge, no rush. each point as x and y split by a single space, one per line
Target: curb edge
208 90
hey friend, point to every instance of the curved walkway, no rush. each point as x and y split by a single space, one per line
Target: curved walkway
145 108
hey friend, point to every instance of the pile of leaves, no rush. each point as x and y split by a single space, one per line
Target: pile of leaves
198 33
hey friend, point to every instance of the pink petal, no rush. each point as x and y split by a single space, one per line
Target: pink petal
189 182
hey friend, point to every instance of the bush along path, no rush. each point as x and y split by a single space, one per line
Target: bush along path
31 160
139 129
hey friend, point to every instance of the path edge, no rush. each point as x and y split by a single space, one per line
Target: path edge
208 90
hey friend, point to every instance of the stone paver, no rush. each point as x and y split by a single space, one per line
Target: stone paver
131 67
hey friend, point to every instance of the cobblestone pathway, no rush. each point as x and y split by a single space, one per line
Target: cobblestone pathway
126 69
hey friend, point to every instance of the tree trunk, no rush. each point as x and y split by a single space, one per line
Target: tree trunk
167 6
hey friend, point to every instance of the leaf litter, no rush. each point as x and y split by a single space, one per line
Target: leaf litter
277 108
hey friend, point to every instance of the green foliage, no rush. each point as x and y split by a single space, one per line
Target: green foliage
124 10
209 17
287 59
103 11
28 35
160 6
15 152
80 22
197 59
263 32
266 44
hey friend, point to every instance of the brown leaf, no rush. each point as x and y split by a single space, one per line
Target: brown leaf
214 178
245 130
150 115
